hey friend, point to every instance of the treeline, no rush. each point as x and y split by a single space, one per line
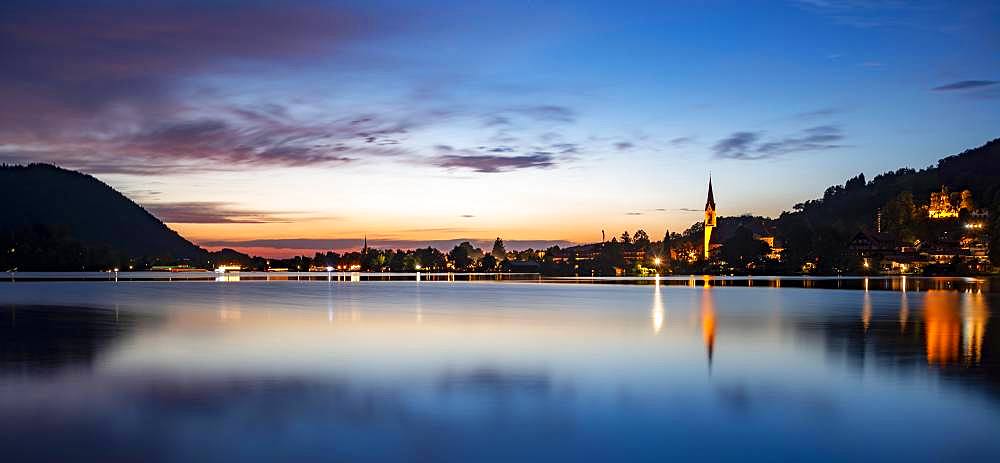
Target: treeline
463 257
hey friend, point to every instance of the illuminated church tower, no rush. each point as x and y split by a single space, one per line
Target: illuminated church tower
709 216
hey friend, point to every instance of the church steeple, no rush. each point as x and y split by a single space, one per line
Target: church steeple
710 221
710 204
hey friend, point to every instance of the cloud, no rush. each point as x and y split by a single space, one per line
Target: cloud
866 14
633 213
550 113
817 113
110 85
566 148
965 85
99 53
466 216
492 164
736 144
624 146
154 89
210 212
681 141
241 137
748 145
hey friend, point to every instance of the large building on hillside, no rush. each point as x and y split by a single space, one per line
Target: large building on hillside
947 205
960 236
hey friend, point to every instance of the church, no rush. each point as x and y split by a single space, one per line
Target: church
716 234
710 218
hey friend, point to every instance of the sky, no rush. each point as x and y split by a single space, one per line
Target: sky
281 128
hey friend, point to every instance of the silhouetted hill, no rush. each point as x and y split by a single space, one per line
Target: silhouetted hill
822 227
62 219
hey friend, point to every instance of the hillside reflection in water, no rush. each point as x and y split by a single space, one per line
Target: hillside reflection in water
482 371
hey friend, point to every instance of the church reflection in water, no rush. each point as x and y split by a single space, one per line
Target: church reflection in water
707 313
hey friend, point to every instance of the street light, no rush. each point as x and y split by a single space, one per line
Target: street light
657 261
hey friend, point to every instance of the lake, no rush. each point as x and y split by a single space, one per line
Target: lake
480 371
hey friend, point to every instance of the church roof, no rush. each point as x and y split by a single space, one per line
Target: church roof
711 198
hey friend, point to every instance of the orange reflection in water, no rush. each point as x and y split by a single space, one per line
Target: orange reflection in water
866 311
974 317
708 322
943 327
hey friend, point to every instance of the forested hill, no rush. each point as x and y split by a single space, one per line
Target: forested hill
53 218
822 227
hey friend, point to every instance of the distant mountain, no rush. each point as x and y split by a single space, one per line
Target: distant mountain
57 219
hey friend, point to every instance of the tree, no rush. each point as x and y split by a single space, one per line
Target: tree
488 263
641 238
612 256
626 239
855 182
901 217
429 258
498 253
743 249
665 249
462 256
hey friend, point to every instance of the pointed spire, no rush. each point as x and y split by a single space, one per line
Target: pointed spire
711 197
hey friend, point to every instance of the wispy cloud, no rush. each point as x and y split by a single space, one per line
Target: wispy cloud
965 85
735 145
109 85
122 89
681 141
493 164
817 113
867 14
550 113
211 212
751 146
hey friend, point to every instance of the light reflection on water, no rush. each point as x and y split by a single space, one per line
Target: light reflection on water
457 371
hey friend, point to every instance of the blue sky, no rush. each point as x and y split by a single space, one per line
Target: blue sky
532 120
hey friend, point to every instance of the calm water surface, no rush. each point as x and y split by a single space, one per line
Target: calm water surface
460 371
